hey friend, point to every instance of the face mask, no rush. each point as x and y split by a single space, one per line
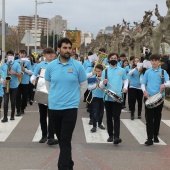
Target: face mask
113 62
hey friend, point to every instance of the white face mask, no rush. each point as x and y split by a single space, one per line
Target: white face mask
10 58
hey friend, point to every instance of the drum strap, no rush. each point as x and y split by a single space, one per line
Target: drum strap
162 77
105 76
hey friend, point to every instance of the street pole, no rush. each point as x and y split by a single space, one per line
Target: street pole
47 33
3 30
35 26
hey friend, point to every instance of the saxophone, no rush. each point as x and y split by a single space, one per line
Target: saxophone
8 78
22 73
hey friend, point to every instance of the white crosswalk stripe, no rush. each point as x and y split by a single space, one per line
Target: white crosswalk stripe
38 135
138 129
7 128
99 137
167 122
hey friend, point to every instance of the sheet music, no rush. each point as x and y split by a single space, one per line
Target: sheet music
92 58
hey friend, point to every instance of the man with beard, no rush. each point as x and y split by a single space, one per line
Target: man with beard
64 77
47 131
112 79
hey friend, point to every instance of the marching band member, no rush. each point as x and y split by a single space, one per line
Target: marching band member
31 86
151 85
64 77
113 80
47 131
2 78
11 69
22 93
135 92
97 101
122 58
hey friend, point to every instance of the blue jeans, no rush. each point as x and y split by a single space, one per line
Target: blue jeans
97 110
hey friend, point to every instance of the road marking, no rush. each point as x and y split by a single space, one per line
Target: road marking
7 128
167 122
38 135
125 111
100 136
138 129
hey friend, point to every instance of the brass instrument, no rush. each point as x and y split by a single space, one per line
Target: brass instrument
8 78
22 73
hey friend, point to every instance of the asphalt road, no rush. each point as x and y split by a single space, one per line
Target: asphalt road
20 150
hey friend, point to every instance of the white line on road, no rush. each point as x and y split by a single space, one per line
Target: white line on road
167 122
100 136
7 128
38 135
138 129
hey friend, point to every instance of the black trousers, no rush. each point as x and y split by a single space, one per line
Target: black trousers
97 111
113 111
1 101
153 119
31 92
12 94
22 97
133 96
43 110
64 122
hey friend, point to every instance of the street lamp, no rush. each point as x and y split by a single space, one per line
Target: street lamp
37 3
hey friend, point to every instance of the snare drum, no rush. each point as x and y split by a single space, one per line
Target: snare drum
154 101
41 93
114 96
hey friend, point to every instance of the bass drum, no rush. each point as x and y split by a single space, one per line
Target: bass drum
41 93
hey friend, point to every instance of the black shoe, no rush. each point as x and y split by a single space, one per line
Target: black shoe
132 117
43 140
30 102
117 141
18 114
22 112
110 139
156 140
91 122
12 118
139 117
101 127
4 120
93 129
123 107
52 141
149 142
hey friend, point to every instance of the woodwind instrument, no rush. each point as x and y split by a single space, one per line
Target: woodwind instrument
8 78
22 73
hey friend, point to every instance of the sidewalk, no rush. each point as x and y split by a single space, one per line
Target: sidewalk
167 104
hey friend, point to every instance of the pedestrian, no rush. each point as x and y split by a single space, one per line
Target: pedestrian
154 81
112 79
46 128
64 77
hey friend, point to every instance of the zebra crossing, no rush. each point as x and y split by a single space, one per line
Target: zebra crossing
136 128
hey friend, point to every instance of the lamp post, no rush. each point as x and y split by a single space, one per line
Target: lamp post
3 30
36 4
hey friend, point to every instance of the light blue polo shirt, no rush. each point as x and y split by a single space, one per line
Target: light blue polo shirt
42 64
86 64
33 67
97 92
64 81
127 69
105 61
134 79
115 77
14 67
152 78
1 85
119 64
26 77
89 69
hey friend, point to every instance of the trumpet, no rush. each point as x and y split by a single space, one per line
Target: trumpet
97 87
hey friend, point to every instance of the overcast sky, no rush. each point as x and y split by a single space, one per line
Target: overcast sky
86 15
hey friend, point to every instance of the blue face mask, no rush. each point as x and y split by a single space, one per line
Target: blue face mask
112 62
